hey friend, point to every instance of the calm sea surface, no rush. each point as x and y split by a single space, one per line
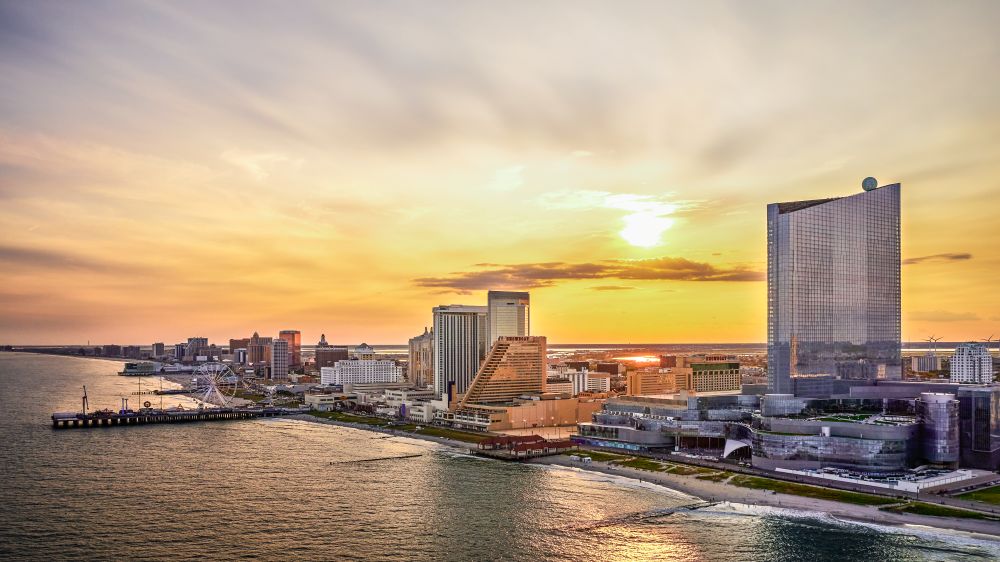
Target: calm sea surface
282 489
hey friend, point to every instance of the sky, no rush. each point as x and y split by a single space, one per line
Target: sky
177 169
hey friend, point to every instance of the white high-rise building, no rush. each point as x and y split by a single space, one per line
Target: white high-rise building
279 359
972 363
508 314
459 345
361 371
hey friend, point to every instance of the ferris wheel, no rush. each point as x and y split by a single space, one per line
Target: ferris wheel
215 383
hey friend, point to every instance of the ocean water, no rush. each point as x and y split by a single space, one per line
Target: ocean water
285 489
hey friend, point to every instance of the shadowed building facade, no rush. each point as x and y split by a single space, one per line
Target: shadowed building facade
459 345
833 290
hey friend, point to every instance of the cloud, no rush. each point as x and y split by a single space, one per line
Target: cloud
942 316
938 257
532 275
260 165
14 256
611 288
36 260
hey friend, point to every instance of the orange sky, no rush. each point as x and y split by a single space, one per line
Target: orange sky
187 169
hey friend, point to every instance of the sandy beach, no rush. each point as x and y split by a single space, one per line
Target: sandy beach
722 492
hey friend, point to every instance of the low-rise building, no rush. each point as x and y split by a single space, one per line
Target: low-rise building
926 363
323 402
559 385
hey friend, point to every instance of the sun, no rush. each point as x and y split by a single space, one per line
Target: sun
644 230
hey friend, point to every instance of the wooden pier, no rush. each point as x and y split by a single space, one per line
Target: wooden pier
145 416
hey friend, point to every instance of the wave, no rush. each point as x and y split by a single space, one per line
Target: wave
619 480
930 535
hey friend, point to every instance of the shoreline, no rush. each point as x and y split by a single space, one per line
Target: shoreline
465 446
711 491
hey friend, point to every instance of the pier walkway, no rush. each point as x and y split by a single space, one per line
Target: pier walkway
66 420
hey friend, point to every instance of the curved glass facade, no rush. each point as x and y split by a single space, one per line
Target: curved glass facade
938 414
771 450
833 289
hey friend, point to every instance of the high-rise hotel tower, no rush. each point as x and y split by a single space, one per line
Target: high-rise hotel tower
833 287
459 345
509 315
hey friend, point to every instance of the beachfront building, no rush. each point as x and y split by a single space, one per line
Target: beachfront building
459 346
361 371
937 413
833 287
509 392
514 367
890 445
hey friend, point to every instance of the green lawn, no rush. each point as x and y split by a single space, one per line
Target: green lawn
715 477
815 492
466 436
642 464
444 432
685 470
921 508
352 418
598 456
248 395
987 495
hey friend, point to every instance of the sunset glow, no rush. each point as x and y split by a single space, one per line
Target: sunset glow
343 168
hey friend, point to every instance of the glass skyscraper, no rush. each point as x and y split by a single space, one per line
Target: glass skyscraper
459 345
833 288
509 315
